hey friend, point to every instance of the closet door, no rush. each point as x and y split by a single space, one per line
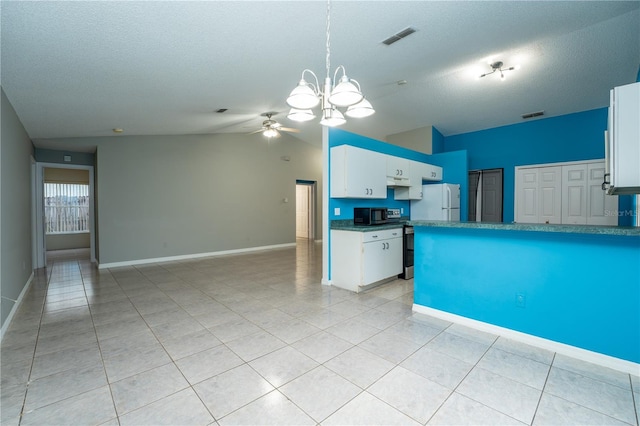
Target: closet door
527 195
602 209
550 195
574 194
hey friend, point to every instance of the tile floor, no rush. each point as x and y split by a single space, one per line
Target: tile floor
255 339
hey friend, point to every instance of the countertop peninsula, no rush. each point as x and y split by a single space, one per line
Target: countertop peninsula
532 227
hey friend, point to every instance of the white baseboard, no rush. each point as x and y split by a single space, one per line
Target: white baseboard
16 305
192 256
551 345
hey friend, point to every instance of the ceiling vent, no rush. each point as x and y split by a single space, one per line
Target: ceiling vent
221 110
532 114
399 36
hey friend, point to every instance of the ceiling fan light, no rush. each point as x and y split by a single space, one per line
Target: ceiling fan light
270 133
360 110
301 115
345 93
303 96
332 118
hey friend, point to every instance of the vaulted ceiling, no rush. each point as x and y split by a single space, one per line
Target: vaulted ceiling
78 69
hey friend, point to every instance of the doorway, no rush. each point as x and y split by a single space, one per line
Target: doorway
485 195
43 229
305 209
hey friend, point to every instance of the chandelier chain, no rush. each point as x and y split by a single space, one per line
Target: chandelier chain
328 60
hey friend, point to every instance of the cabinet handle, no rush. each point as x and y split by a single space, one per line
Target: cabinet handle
433 174
374 236
606 182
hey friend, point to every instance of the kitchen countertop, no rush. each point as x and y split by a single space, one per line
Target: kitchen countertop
533 227
347 225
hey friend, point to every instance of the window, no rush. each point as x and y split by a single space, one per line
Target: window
66 208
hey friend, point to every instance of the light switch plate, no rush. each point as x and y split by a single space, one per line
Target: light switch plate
336 211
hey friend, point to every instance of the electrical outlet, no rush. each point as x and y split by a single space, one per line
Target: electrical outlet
336 211
521 300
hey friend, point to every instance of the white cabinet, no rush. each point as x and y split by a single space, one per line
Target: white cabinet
362 259
622 140
357 173
417 173
397 168
570 194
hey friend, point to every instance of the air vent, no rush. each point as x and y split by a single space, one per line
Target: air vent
399 36
221 110
532 114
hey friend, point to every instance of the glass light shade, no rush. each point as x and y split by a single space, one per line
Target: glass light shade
303 96
301 115
332 118
345 93
270 133
361 109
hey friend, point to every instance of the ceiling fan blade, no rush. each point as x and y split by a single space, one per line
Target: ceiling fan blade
257 131
289 129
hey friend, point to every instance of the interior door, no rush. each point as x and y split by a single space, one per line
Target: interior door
486 195
492 195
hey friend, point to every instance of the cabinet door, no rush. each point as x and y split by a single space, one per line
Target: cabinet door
527 196
602 209
550 195
357 173
624 133
397 167
382 259
431 172
574 194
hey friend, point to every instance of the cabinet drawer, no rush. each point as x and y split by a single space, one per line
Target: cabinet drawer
384 234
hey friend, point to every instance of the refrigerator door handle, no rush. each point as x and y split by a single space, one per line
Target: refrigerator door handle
448 198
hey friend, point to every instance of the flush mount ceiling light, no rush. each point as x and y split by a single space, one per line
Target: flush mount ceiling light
498 66
334 94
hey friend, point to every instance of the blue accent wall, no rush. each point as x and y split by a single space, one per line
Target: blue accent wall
575 290
571 137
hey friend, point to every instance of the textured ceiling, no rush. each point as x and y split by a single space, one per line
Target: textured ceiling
78 69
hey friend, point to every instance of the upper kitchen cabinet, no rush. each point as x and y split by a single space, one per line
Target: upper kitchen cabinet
418 172
357 173
398 171
623 141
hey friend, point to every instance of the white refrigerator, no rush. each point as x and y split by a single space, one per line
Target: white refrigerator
439 202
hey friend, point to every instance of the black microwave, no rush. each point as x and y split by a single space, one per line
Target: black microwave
369 215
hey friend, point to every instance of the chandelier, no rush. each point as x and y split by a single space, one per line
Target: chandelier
337 93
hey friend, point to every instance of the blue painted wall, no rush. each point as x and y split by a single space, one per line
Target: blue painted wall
571 294
454 164
571 137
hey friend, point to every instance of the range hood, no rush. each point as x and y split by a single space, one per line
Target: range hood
398 182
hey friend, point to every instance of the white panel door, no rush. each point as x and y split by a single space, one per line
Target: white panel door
550 195
574 194
602 209
527 196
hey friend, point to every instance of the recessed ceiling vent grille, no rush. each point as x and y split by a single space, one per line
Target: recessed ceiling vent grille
532 114
399 36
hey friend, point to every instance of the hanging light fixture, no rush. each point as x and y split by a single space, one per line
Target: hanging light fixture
498 67
334 94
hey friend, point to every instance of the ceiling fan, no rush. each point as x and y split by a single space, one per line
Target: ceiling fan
271 128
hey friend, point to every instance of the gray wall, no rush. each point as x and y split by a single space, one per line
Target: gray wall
161 196
15 207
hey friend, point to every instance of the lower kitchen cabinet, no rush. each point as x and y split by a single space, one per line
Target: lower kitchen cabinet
363 259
